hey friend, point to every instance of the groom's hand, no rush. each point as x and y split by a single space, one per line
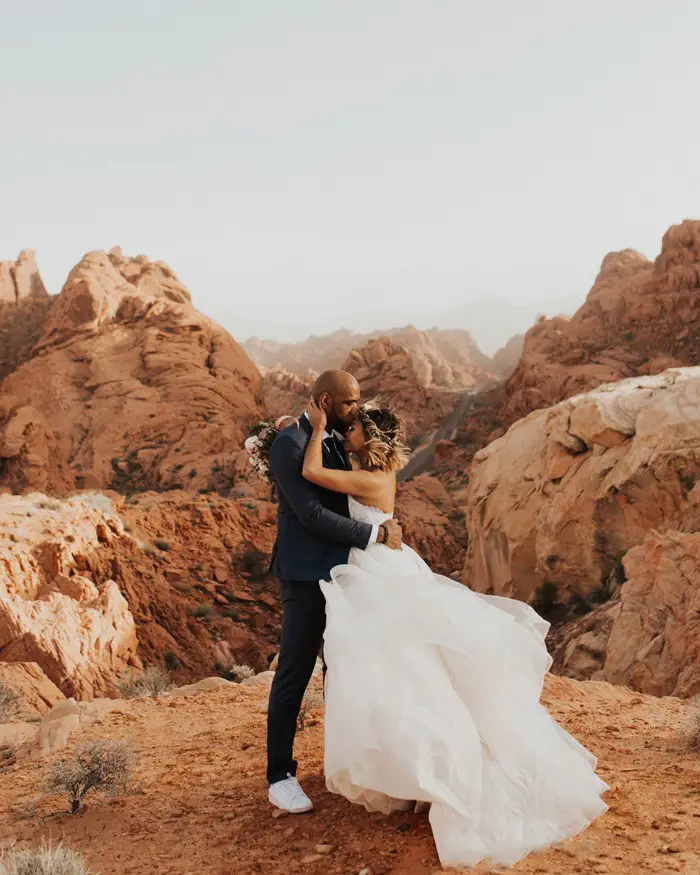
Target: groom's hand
394 534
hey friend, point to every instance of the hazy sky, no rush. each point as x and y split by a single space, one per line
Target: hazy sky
308 164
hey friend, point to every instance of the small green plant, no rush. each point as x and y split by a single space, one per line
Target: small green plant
544 597
47 860
172 661
254 563
230 614
181 586
162 545
203 611
153 681
193 472
9 702
102 766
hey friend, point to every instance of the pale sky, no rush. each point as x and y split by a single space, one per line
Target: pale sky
311 164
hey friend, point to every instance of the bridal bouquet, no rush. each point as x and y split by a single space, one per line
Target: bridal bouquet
261 437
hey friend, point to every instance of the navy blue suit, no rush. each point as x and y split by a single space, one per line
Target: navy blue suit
314 534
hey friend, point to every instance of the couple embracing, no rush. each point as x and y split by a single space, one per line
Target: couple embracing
431 690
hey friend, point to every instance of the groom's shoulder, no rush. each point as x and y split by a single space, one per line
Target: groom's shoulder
293 435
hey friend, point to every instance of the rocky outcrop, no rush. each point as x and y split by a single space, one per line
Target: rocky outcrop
37 694
79 631
648 639
21 279
433 523
506 359
561 498
441 359
90 588
384 369
641 317
127 387
284 393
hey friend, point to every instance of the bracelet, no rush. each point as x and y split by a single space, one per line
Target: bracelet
385 534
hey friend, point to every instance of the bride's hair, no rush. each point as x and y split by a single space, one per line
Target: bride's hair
385 435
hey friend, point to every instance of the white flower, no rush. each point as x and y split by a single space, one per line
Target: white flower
251 443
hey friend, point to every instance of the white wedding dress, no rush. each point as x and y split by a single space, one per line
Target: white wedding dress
432 694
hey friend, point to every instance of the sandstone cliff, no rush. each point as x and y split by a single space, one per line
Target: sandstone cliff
127 386
385 369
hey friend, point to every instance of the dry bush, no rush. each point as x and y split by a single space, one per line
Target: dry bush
9 702
153 681
46 861
239 673
104 766
312 701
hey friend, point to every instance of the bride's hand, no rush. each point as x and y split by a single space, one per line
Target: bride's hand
317 415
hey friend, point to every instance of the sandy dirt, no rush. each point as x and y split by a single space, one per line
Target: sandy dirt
200 805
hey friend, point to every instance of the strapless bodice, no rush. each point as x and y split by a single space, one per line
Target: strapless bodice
364 514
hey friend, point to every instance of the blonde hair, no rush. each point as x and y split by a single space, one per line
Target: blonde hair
385 435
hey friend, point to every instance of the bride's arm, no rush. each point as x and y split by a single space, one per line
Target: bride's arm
350 482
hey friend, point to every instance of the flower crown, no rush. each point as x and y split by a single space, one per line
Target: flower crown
385 436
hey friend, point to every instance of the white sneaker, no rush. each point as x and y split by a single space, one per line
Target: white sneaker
289 796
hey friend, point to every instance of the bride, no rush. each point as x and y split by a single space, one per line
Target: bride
432 690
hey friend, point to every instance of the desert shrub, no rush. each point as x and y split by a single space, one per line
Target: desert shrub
102 766
312 701
204 611
162 545
544 597
48 504
9 702
153 681
181 586
253 562
45 861
172 661
230 614
239 673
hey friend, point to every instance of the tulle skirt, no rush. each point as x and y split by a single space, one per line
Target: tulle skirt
432 694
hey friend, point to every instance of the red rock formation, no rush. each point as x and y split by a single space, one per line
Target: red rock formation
36 693
568 491
80 631
433 524
284 393
184 577
385 369
128 386
21 279
506 359
640 317
648 639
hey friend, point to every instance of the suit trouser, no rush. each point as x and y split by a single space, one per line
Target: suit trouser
303 623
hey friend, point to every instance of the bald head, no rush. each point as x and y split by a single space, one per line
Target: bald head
338 392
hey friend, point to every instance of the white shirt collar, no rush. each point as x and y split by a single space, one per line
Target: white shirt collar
325 433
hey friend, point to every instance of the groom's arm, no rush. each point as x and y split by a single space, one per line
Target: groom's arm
286 462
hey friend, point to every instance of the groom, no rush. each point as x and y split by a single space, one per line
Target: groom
314 534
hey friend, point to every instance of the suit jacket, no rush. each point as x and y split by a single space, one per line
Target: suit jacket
314 529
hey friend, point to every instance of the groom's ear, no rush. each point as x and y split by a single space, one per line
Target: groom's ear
324 401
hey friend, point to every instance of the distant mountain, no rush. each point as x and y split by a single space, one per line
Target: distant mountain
446 359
